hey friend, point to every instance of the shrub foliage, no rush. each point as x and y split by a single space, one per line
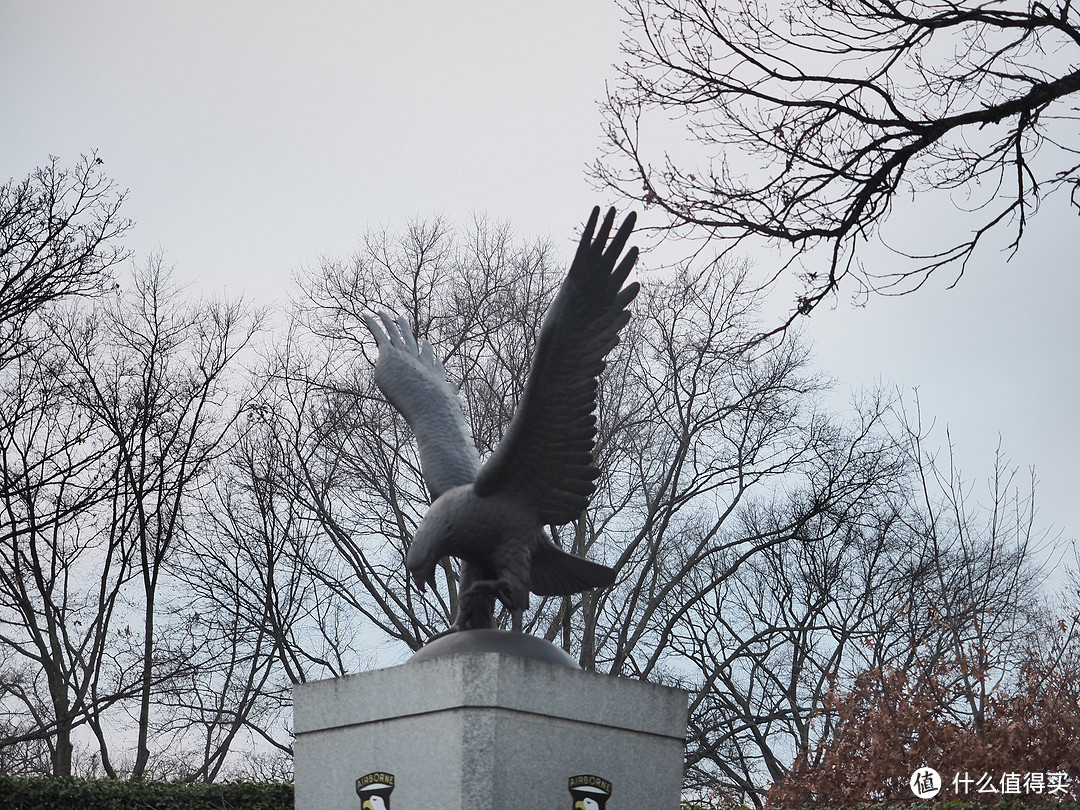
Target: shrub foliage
63 793
889 724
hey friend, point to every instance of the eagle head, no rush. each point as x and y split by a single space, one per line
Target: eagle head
439 534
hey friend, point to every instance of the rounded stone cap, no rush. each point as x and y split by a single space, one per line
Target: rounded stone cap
507 642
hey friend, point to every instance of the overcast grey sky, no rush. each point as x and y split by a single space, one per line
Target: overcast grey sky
256 137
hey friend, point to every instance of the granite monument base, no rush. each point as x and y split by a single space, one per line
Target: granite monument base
487 731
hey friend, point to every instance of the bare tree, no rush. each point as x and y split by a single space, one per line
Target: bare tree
910 578
807 124
983 587
61 570
110 427
59 232
60 573
256 592
154 372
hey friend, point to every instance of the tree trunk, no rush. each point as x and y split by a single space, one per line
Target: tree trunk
61 755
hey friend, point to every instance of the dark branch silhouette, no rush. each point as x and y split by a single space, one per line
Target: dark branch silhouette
812 122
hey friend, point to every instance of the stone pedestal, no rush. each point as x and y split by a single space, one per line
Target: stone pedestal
487 731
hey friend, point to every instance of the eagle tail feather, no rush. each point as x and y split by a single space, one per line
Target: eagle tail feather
555 572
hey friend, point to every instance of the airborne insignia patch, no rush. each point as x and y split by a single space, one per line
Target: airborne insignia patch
374 790
589 792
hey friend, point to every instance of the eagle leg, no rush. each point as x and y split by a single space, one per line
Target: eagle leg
505 592
476 609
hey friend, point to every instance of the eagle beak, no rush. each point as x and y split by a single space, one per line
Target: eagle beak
423 581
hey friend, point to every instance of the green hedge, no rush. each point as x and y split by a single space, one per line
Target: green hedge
65 793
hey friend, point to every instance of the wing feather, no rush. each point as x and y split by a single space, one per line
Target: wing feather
414 381
545 457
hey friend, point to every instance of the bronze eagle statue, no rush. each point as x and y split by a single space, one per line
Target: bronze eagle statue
491 516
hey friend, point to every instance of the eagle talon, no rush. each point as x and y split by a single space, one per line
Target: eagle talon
497 588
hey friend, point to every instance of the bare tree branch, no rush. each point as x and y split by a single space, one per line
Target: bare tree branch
808 124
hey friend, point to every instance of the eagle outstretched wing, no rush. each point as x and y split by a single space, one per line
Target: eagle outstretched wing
545 457
414 381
